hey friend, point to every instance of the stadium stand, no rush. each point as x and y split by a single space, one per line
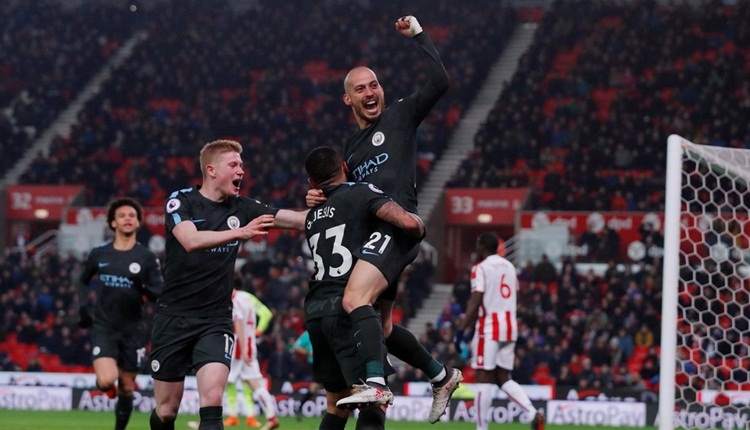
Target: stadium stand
583 123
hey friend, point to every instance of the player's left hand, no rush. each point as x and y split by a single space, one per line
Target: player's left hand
408 26
314 197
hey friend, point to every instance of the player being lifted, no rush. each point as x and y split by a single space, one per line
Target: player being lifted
383 152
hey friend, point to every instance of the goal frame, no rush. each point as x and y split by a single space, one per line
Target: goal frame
670 286
720 162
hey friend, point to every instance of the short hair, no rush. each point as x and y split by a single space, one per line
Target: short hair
488 241
323 164
212 149
117 204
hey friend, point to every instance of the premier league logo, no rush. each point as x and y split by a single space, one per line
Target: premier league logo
172 205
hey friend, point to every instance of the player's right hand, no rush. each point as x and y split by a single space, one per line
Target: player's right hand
314 197
257 227
408 26
85 320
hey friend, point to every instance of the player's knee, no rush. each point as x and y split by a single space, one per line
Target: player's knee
166 413
350 302
387 328
104 383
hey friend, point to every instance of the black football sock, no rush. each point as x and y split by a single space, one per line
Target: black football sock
405 346
123 409
157 424
211 418
368 336
372 418
332 422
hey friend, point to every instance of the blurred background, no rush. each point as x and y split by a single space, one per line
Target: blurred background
553 134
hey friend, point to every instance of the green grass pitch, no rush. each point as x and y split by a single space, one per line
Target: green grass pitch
85 420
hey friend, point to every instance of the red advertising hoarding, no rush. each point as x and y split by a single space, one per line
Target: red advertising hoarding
40 202
483 206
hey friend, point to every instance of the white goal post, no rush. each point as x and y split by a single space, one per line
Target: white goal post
705 330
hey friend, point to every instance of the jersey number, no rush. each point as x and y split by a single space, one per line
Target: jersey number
375 237
337 233
505 290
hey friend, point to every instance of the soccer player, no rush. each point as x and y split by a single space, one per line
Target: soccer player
383 152
492 307
128 272
246 310
349 217
250 317
193 322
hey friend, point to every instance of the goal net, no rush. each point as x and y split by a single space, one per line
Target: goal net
705 342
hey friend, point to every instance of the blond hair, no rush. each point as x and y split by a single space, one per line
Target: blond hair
212 149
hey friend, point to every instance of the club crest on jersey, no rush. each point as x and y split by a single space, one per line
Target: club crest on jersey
134 268
155 365
173 205
375 189
378 139
96 351
233 222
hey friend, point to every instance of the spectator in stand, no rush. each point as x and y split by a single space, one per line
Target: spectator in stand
33 365
624 347
282 366
566 378
544 271
644 336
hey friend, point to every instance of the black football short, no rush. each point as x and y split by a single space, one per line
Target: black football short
390 250
336 363
182 344
128 348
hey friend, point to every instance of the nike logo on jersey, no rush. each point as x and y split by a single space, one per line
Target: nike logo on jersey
196 221
368 252
103 264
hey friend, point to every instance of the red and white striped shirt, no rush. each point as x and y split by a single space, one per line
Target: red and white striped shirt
496 278
243 310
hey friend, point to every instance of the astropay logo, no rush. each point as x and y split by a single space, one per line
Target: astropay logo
596 413
36 398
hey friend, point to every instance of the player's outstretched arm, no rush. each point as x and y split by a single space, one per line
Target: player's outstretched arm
290 219
438 81
193 240
393 213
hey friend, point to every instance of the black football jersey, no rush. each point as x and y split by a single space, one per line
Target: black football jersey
334 230
385 152
200 283
125 278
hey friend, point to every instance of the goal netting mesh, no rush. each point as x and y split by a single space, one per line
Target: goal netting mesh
705 347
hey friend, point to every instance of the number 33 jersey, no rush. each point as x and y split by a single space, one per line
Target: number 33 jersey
334 229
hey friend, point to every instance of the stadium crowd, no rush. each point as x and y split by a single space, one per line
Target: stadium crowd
583 123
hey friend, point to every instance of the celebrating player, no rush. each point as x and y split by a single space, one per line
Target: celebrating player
193 322
383 152
127 273
350 215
